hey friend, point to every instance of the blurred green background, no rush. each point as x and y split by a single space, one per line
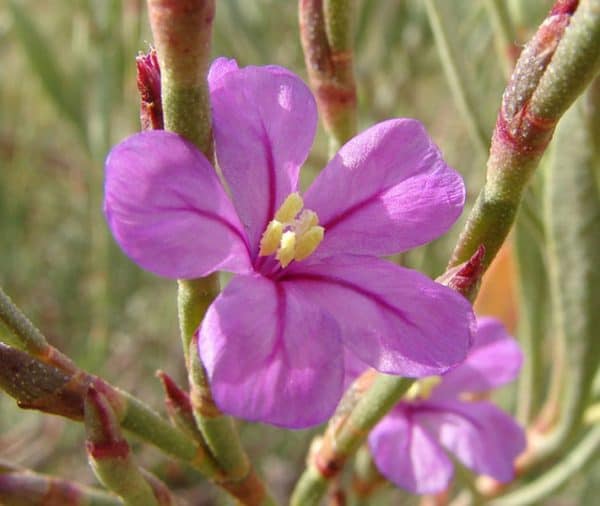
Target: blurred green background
67 93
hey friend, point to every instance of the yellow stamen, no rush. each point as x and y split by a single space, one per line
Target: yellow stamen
305 221
308 242
292 234
271 238
291 206
285 253
422 389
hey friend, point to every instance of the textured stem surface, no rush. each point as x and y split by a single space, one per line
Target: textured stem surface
326 35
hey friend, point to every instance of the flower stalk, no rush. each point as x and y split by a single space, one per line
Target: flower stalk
326 36
553 69
182 33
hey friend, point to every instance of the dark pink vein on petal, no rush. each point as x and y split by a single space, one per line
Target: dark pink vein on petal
216 218
341 216
320 278
280 311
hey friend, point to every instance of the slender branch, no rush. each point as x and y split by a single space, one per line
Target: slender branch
182 33
110 455
326 35
553 69
463 95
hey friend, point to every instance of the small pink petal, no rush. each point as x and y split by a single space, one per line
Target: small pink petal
494 360
408 456
485 439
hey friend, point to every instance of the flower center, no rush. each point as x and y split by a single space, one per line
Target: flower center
293 234
421 390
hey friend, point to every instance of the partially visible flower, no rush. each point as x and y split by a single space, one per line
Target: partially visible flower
409 445
309 286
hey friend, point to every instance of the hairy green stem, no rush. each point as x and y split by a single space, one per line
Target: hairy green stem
109 454
553 69
463 95
326 35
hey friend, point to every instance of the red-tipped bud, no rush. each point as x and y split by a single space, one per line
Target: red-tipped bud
104 440
516 125
466 277
148 83
179 406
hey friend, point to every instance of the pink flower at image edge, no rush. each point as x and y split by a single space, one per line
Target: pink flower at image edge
309 285
409 445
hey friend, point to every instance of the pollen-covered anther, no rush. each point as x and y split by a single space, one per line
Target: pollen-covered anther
271 238
307 243
287 250
291 206
422 389
294 233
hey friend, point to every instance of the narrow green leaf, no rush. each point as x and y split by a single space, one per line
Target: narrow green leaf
39 50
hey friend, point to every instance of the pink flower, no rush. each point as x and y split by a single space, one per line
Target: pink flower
308 282
408 444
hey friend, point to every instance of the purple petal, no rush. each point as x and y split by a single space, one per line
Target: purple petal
387 190
494 360
219 67
396 320
264 121
484 438
270 355
407 455
167 209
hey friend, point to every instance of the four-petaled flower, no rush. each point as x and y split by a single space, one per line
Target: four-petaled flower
309 283
408 444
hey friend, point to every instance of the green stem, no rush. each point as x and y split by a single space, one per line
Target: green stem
182 33
110 455
463 95
553 69
573 464
326 35
28 337
356 416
